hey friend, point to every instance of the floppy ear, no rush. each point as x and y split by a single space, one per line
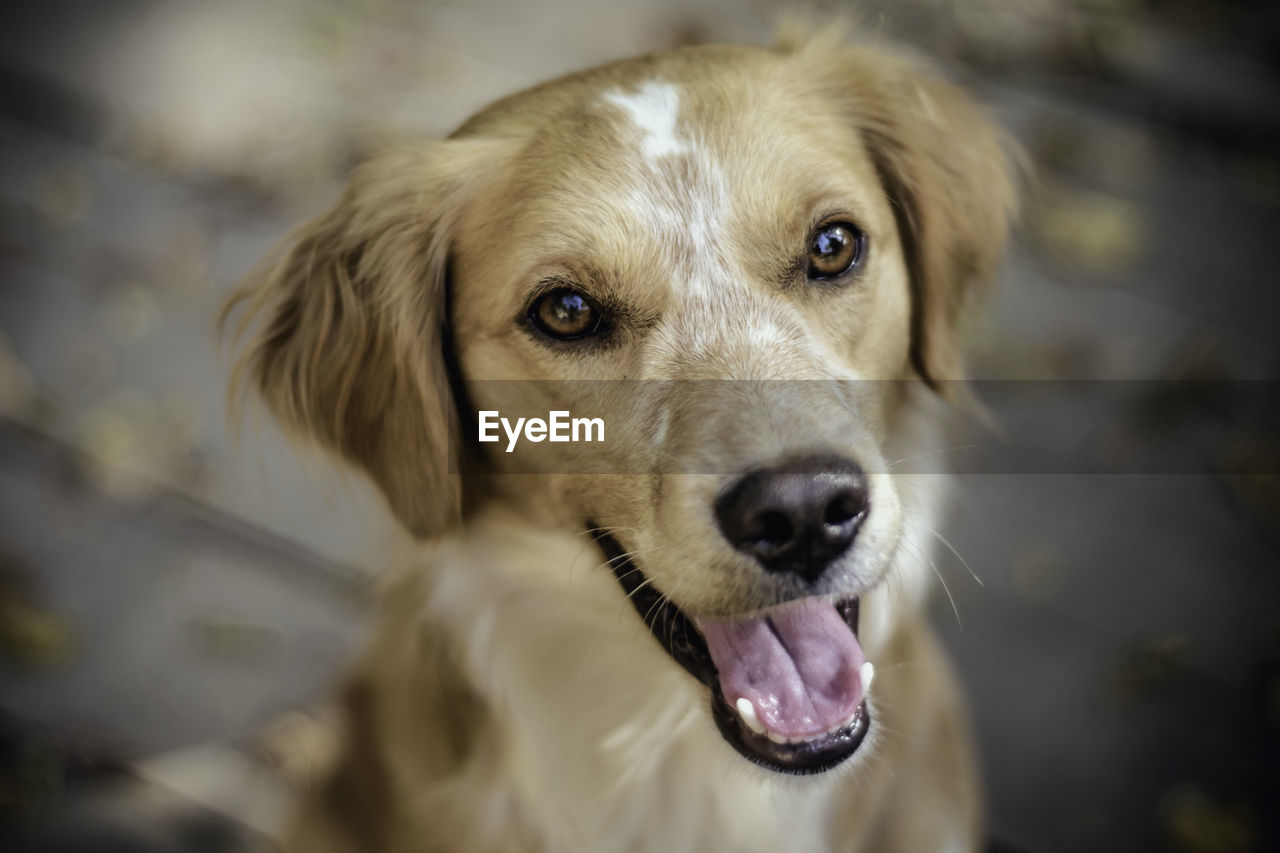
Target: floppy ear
947 178
350 350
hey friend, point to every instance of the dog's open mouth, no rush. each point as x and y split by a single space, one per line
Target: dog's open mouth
788 684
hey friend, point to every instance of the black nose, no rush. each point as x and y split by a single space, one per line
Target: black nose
796 517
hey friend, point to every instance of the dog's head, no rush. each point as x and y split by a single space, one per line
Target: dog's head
751 255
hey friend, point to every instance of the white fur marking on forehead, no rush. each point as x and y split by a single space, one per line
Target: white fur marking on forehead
653 108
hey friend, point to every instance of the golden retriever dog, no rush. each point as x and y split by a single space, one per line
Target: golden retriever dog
739 271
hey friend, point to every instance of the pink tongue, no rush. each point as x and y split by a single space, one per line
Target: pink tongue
797 663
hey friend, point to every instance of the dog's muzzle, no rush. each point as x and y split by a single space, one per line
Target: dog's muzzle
788 684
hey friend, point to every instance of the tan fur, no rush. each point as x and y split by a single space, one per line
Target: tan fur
511 699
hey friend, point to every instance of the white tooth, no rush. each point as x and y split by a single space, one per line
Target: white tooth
748 714
866 672
777 738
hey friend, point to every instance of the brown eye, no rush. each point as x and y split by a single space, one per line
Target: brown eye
835 249
565 314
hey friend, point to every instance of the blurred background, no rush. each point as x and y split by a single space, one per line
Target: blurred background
168 591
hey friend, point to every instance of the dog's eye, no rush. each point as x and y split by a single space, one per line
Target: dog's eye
834 249
565 313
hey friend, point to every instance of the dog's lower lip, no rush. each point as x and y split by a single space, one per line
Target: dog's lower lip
677 634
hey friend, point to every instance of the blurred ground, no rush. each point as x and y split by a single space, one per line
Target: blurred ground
165 592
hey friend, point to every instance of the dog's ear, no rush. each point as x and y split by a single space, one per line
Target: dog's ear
350 347
947 177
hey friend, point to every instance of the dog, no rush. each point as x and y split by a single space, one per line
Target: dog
748 263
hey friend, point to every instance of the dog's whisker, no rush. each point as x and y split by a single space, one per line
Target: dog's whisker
671 625
627 555
889 465
592 531
628 573
953 550
936 534
639 586
921 559
662 601
643 553
587 547
950 597
610 563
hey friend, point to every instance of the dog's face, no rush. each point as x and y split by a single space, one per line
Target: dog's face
735 258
